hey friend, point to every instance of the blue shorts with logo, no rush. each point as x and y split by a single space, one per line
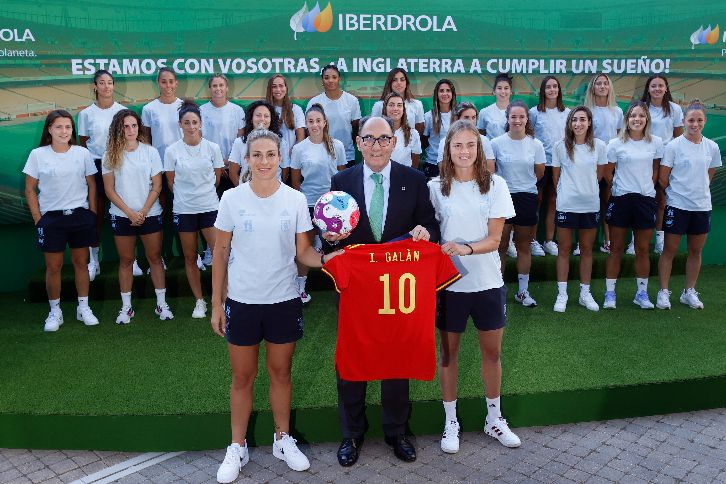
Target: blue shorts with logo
194 222
573 220
632 211
488 310
249 324
75 228
525 208
122 227
680 222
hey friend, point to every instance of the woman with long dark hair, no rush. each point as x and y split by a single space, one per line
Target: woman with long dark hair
436 123
397 81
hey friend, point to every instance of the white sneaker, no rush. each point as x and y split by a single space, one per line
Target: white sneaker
94 269
663 300
536 249
236 457
641 299
511 250
525 299
85 315
450 438
576 250
610 300
165 313
286 449
560 303
500 431
605 247
550 247
53 321
163 263
689 297
659 241
588 301
631 248
200 264
125 315
136 270
207 260
200 309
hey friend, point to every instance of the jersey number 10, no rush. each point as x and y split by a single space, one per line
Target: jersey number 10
405 309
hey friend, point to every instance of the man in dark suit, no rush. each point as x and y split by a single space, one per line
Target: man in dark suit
394 202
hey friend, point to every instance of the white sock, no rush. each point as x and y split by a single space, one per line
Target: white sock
610 285
523 282
93 254
83 302
493 409
160 297
562 288
236 444
584 288
642 283
126 299
659 235
450 411
301 281
690 289
54 304
511 237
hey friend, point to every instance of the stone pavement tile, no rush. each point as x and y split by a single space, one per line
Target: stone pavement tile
643 473
132 479
63 466
184 470
630 479
663 479
589 466
41 475
567 459
198 477
52 458
556 467
675 472
598 480
94 467
9 475
71 475
576 475
610 474
21 480
156 470
20 459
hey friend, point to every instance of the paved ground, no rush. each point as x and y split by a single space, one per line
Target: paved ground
687 447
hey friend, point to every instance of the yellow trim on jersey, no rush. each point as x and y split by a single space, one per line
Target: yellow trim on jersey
448 282
353 246
333 278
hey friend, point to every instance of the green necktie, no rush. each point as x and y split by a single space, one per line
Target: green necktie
375 214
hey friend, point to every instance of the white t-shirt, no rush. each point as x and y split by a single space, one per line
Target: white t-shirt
485 144
515 160
163 119
317 167
688 186
663 126
261 268
549 127
432 151
340 114
94 122
298 121
194 178
492 120
61 177
239 150
634 165
402 154
464 218
606 121
577 189
221 125
414 111
132 181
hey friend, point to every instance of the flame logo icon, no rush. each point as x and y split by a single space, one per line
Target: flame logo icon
707 36
314 20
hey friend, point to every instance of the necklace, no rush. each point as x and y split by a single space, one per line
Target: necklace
193 151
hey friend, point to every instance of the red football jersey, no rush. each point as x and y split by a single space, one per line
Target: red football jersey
387 311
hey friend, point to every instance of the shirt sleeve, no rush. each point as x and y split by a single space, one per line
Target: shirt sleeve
217 160
299 116
377 108
156 166
224 220
240 118
304 224
619 118
419 112
427 124
612 150
83 123
501 205
169 159
235 155
146 117
355 108
296 157
480 122
90 166
340 158
488 150
715 155
539 153
31 166
677 115
337 269
669 154
658 142
433 190
446 273
285 154
105 170
415 142
602 159
557 154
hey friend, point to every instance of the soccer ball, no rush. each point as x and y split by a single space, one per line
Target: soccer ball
336 212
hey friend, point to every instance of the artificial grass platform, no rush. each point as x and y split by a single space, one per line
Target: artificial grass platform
164 385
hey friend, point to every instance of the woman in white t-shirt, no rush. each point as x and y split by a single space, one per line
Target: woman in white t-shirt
634 157
492 118
341 108
397 81
436 124
471 206
292 118
686 171
466 111
577 166
256 252
667 120
313 163
408 143
193 169
260 115
93 124
132 174
548 118
520 161
61 193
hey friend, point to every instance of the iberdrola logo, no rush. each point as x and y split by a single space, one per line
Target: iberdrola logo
702 36
314 20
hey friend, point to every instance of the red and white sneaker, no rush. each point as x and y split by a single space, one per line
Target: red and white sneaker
125 315
500 431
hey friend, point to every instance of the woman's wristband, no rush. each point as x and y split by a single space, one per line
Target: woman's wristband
471 249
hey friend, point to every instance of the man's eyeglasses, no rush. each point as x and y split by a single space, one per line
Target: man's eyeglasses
370 141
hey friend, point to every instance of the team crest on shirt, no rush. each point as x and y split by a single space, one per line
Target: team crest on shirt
285 225
247 226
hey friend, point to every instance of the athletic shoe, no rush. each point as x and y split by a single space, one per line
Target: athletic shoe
164 312
631 248
525 299
663 300
136 270
605 247
588 301
659 241
511 250
163 263
200 264
125 315
550 247
207 260
500 431
236 457
536 249
305 297
560 303
53 321
450 438
286 449
642 300
94 269
576 251
200 309
690 298
610 299
85 315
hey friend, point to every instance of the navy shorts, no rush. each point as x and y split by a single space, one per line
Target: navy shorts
431 170
58 228
122 227
487 308
546 179
680 222
525 208
249 324
572 220
632 211
194 222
